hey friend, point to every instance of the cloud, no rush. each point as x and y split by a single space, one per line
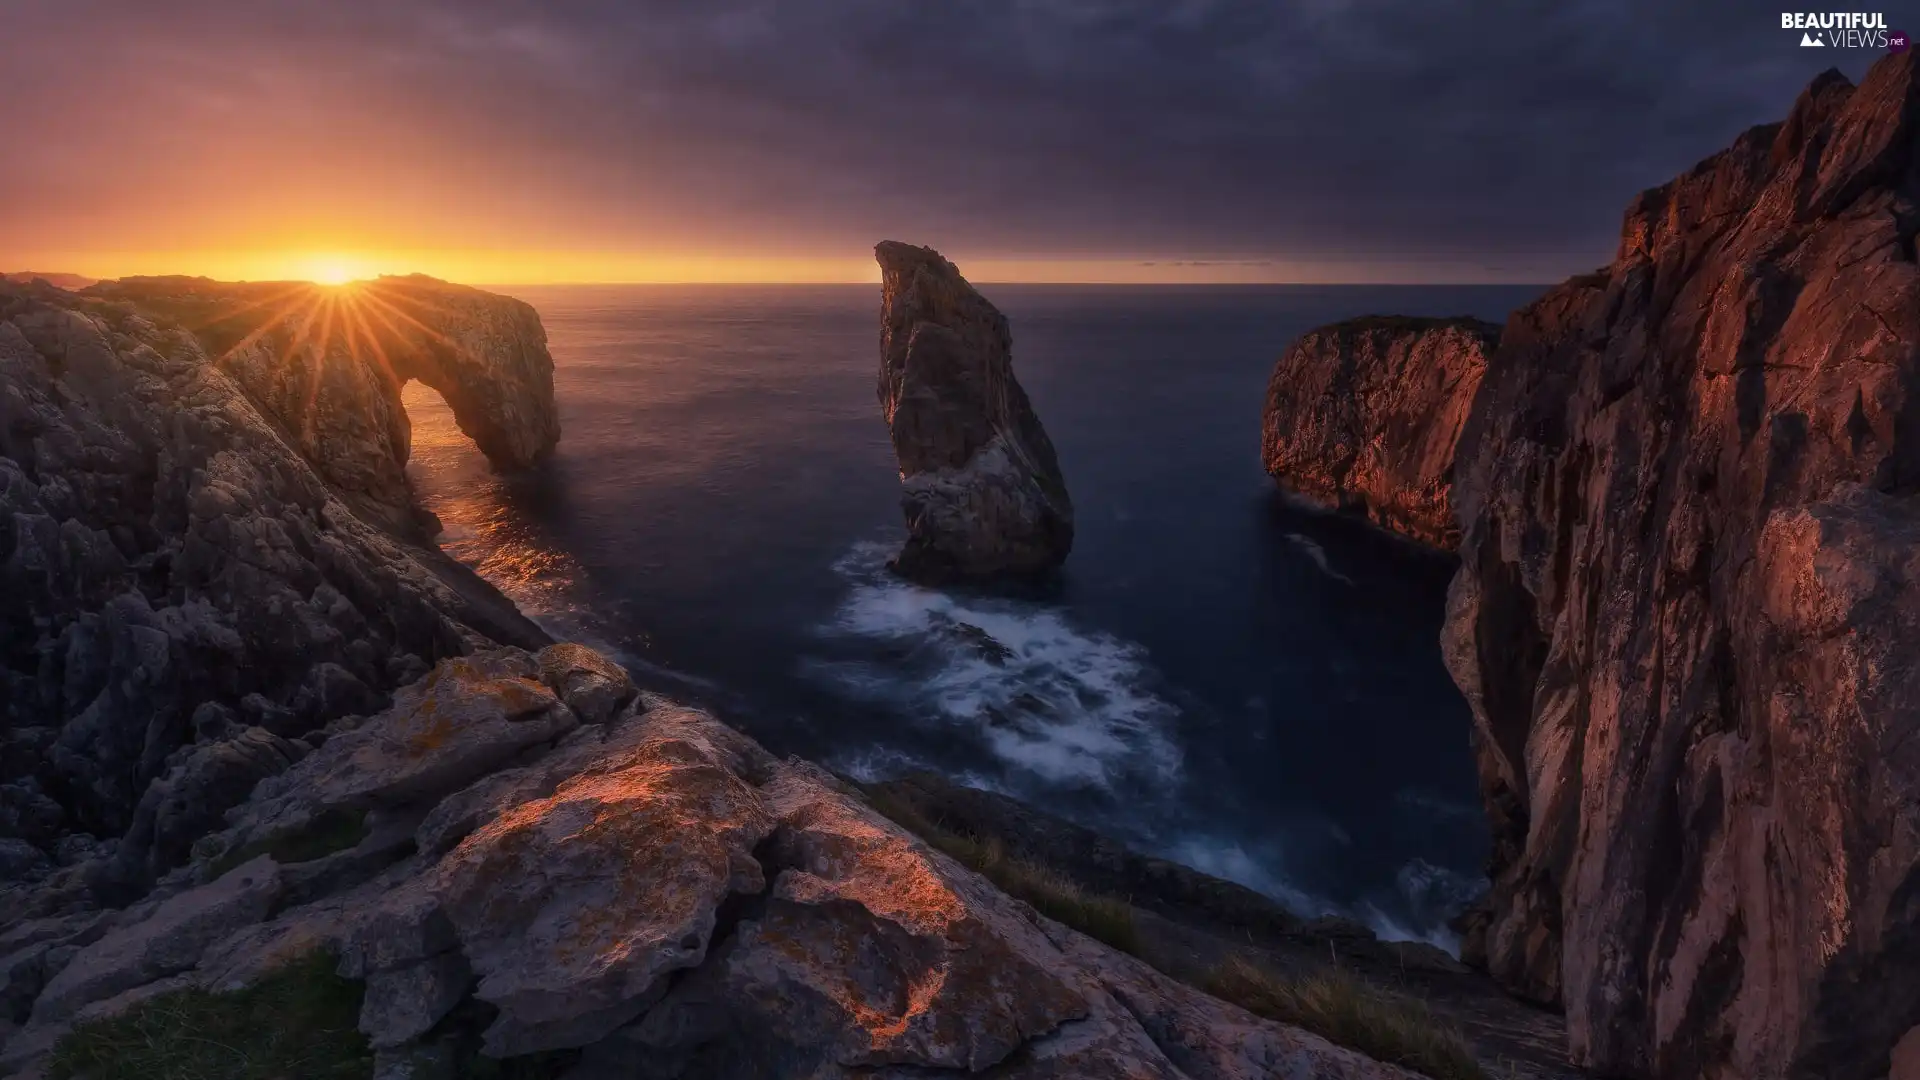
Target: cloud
1353 128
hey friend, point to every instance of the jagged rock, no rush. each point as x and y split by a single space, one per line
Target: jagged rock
981 487
191 799
1364 416
573 908
875 952
171 561
660 892
169 941
1687 606
404 1003
468 717
594 687
328 364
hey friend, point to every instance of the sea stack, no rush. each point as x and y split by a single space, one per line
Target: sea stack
981 488
1364 415
1687 612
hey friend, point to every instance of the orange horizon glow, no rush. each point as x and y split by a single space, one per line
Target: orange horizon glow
328 267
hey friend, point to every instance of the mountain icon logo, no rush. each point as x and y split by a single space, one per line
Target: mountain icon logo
1811 41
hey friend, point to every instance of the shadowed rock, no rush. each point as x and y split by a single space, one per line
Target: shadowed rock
1687 610
981 488
189 585
1364 416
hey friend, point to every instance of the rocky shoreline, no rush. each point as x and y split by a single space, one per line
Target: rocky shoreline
256 722
258 728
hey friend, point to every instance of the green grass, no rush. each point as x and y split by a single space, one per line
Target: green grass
1103 918
298 1022
1344 1009
1334 1004
331 831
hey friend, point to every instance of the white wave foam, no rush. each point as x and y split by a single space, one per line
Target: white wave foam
1319 556
1229 860
1061 704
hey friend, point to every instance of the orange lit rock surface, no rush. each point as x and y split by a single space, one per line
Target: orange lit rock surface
658 895
1687 608
1364 416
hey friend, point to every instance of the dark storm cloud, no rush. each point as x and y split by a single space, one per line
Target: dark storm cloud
1389 127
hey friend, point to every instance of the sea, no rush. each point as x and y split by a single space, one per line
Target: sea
1220 676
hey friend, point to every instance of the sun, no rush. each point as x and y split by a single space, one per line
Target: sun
332 273
331 269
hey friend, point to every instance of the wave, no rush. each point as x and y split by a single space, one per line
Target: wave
1051 701
1319 556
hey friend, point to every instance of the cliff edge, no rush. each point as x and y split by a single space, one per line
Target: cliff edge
1687 607
198 571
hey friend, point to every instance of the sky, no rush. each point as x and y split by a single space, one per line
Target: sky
724 140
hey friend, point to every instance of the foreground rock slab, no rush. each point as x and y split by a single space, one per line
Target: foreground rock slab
981 486
655 896
1365 415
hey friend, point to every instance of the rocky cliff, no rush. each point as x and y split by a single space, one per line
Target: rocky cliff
526 857
1364 416
1687 610
196 570
981 488
327 365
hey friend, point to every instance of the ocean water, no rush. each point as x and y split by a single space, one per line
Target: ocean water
1219 677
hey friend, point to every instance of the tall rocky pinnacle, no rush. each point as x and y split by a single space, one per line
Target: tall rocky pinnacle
207 554
1688 614
982 491
1364 416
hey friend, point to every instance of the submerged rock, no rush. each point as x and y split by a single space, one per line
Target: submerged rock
1364 416
1687 608
981 488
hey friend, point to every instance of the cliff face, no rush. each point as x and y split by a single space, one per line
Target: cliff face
1687 610
187 586
327 365
981 488
1364 416
545 861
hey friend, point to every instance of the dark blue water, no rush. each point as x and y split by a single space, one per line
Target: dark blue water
1220 677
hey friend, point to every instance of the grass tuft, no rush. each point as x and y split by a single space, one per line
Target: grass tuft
331 831
1346 1010
300 1021
1104 918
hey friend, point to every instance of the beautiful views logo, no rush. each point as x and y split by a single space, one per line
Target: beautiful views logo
1843 30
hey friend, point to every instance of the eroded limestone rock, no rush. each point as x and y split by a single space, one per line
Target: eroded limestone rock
1365 416
982 489
1686 612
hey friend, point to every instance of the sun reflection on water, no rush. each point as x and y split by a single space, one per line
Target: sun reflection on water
482 527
